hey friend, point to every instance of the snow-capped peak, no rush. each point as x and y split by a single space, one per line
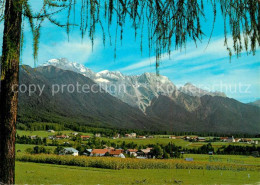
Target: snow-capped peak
138 90
112 75
103 72
65 64
193 90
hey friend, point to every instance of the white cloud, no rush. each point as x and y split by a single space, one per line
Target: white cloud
215 49
74 50
144 63
200 67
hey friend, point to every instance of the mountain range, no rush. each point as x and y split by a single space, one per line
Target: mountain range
92 108
147 102
135 90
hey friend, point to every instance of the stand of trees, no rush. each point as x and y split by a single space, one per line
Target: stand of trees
110 132
29 140
38 150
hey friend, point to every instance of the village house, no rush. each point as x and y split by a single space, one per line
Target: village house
109 147
249 141
99 152
223 139
201 139
132 135
132 152
186 137
141 137
33 137
111 152
193 138
117 153
116 136
237 140
61 137
144 153
75 133
147 150
52 131
84 138
150 137
69 151
231 139
172 137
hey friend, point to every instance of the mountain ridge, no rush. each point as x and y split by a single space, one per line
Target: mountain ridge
98 108
175 112
139 90
255 103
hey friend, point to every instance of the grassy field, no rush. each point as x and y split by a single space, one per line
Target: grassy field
34 173
161 139
232 159
177 142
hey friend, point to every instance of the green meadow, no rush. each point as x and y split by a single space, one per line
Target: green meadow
37 173
231 159
178 142
160 139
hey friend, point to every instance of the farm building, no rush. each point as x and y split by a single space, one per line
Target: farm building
172 137
117 153
61 137
84 138
99 152
201 139
132 152
69 151
132 135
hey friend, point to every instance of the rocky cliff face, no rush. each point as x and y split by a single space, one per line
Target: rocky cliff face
137 90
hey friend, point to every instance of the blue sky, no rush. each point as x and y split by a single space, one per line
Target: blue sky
207 68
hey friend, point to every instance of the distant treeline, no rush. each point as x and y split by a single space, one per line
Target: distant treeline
110 132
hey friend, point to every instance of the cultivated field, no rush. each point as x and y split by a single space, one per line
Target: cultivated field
204 169
35 173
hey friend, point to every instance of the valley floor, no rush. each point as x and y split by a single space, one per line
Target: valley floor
37 173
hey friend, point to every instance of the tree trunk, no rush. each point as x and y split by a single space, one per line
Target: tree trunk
9 89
